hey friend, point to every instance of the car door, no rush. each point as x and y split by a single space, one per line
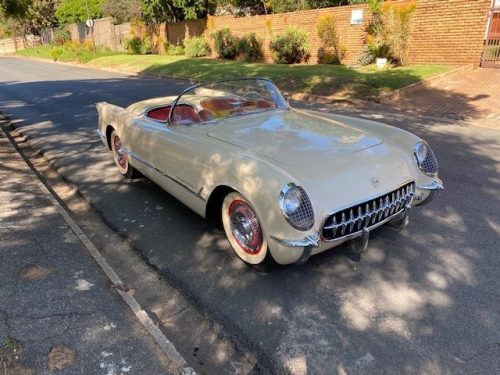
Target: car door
170 157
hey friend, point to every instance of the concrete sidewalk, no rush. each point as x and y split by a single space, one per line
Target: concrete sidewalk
57 311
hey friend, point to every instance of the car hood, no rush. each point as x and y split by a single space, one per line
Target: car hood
293 138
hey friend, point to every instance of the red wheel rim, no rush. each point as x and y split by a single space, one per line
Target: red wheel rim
121 157
245 227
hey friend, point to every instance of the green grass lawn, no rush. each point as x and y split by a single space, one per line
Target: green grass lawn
81 55
330 80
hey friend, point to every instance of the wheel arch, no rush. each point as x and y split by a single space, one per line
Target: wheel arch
109 130
214 203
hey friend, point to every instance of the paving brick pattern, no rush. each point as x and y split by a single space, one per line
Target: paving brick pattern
470 95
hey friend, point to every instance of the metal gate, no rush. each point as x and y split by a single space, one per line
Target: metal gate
490 57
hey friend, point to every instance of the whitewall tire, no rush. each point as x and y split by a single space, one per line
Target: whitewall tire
120 157
243 230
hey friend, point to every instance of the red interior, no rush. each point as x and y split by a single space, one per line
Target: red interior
185 115
160 114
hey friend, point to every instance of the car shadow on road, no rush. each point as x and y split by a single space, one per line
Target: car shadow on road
419 300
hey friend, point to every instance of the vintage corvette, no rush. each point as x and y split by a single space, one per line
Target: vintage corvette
284 183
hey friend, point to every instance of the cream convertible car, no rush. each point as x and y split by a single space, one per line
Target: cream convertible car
285 183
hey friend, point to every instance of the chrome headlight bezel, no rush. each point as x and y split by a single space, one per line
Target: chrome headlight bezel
425 159
302 217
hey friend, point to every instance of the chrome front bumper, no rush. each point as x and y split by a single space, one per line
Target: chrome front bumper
313 243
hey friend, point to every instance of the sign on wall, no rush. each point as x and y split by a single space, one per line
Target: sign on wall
357 17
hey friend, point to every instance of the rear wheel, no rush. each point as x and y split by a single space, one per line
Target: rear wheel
121 158
244 231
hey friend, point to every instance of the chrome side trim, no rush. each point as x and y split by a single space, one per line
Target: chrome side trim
312 240
180 183
101 135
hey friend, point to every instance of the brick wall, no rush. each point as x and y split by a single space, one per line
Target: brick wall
448 31
267 26
443 32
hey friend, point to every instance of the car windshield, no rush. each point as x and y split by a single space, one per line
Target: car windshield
221 100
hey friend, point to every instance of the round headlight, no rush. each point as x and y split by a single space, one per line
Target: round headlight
296 207
291 201
425 158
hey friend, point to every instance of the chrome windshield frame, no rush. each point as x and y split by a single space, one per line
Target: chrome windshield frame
281 102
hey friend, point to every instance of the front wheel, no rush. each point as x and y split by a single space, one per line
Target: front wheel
244 231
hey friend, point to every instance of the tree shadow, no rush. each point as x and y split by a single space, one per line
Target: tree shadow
420 300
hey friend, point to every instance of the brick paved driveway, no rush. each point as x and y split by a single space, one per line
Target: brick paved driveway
466 95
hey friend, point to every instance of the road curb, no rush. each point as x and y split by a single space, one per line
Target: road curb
178 362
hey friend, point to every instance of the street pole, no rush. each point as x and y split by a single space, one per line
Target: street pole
90 24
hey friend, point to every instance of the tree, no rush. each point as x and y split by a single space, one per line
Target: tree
122 10
194 9
73 11
158 11
28 16
281 6
243 7
14 8
41 15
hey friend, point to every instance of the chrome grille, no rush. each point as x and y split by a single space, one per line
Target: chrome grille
304 216
429 165
367 214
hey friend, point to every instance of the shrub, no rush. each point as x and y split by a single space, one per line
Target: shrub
196 46
250 48
225 43
291 47
174 50
56 52
396 28
61 36
147 46
388 33
133 45
327 32
138 46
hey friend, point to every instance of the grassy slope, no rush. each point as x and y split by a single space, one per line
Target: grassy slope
330 80
81 55
337 80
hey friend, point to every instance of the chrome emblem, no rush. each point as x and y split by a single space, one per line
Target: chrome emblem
375 182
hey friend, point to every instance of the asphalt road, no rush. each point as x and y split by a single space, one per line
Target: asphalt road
424 300
53 294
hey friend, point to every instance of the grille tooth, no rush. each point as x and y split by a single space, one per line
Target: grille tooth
367 216
334 231
381 209
344 225
364 215
393 204
374 212
351 219
360 217
387 206
398 198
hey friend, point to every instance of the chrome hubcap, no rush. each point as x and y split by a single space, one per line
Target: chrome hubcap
245 227
121 156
